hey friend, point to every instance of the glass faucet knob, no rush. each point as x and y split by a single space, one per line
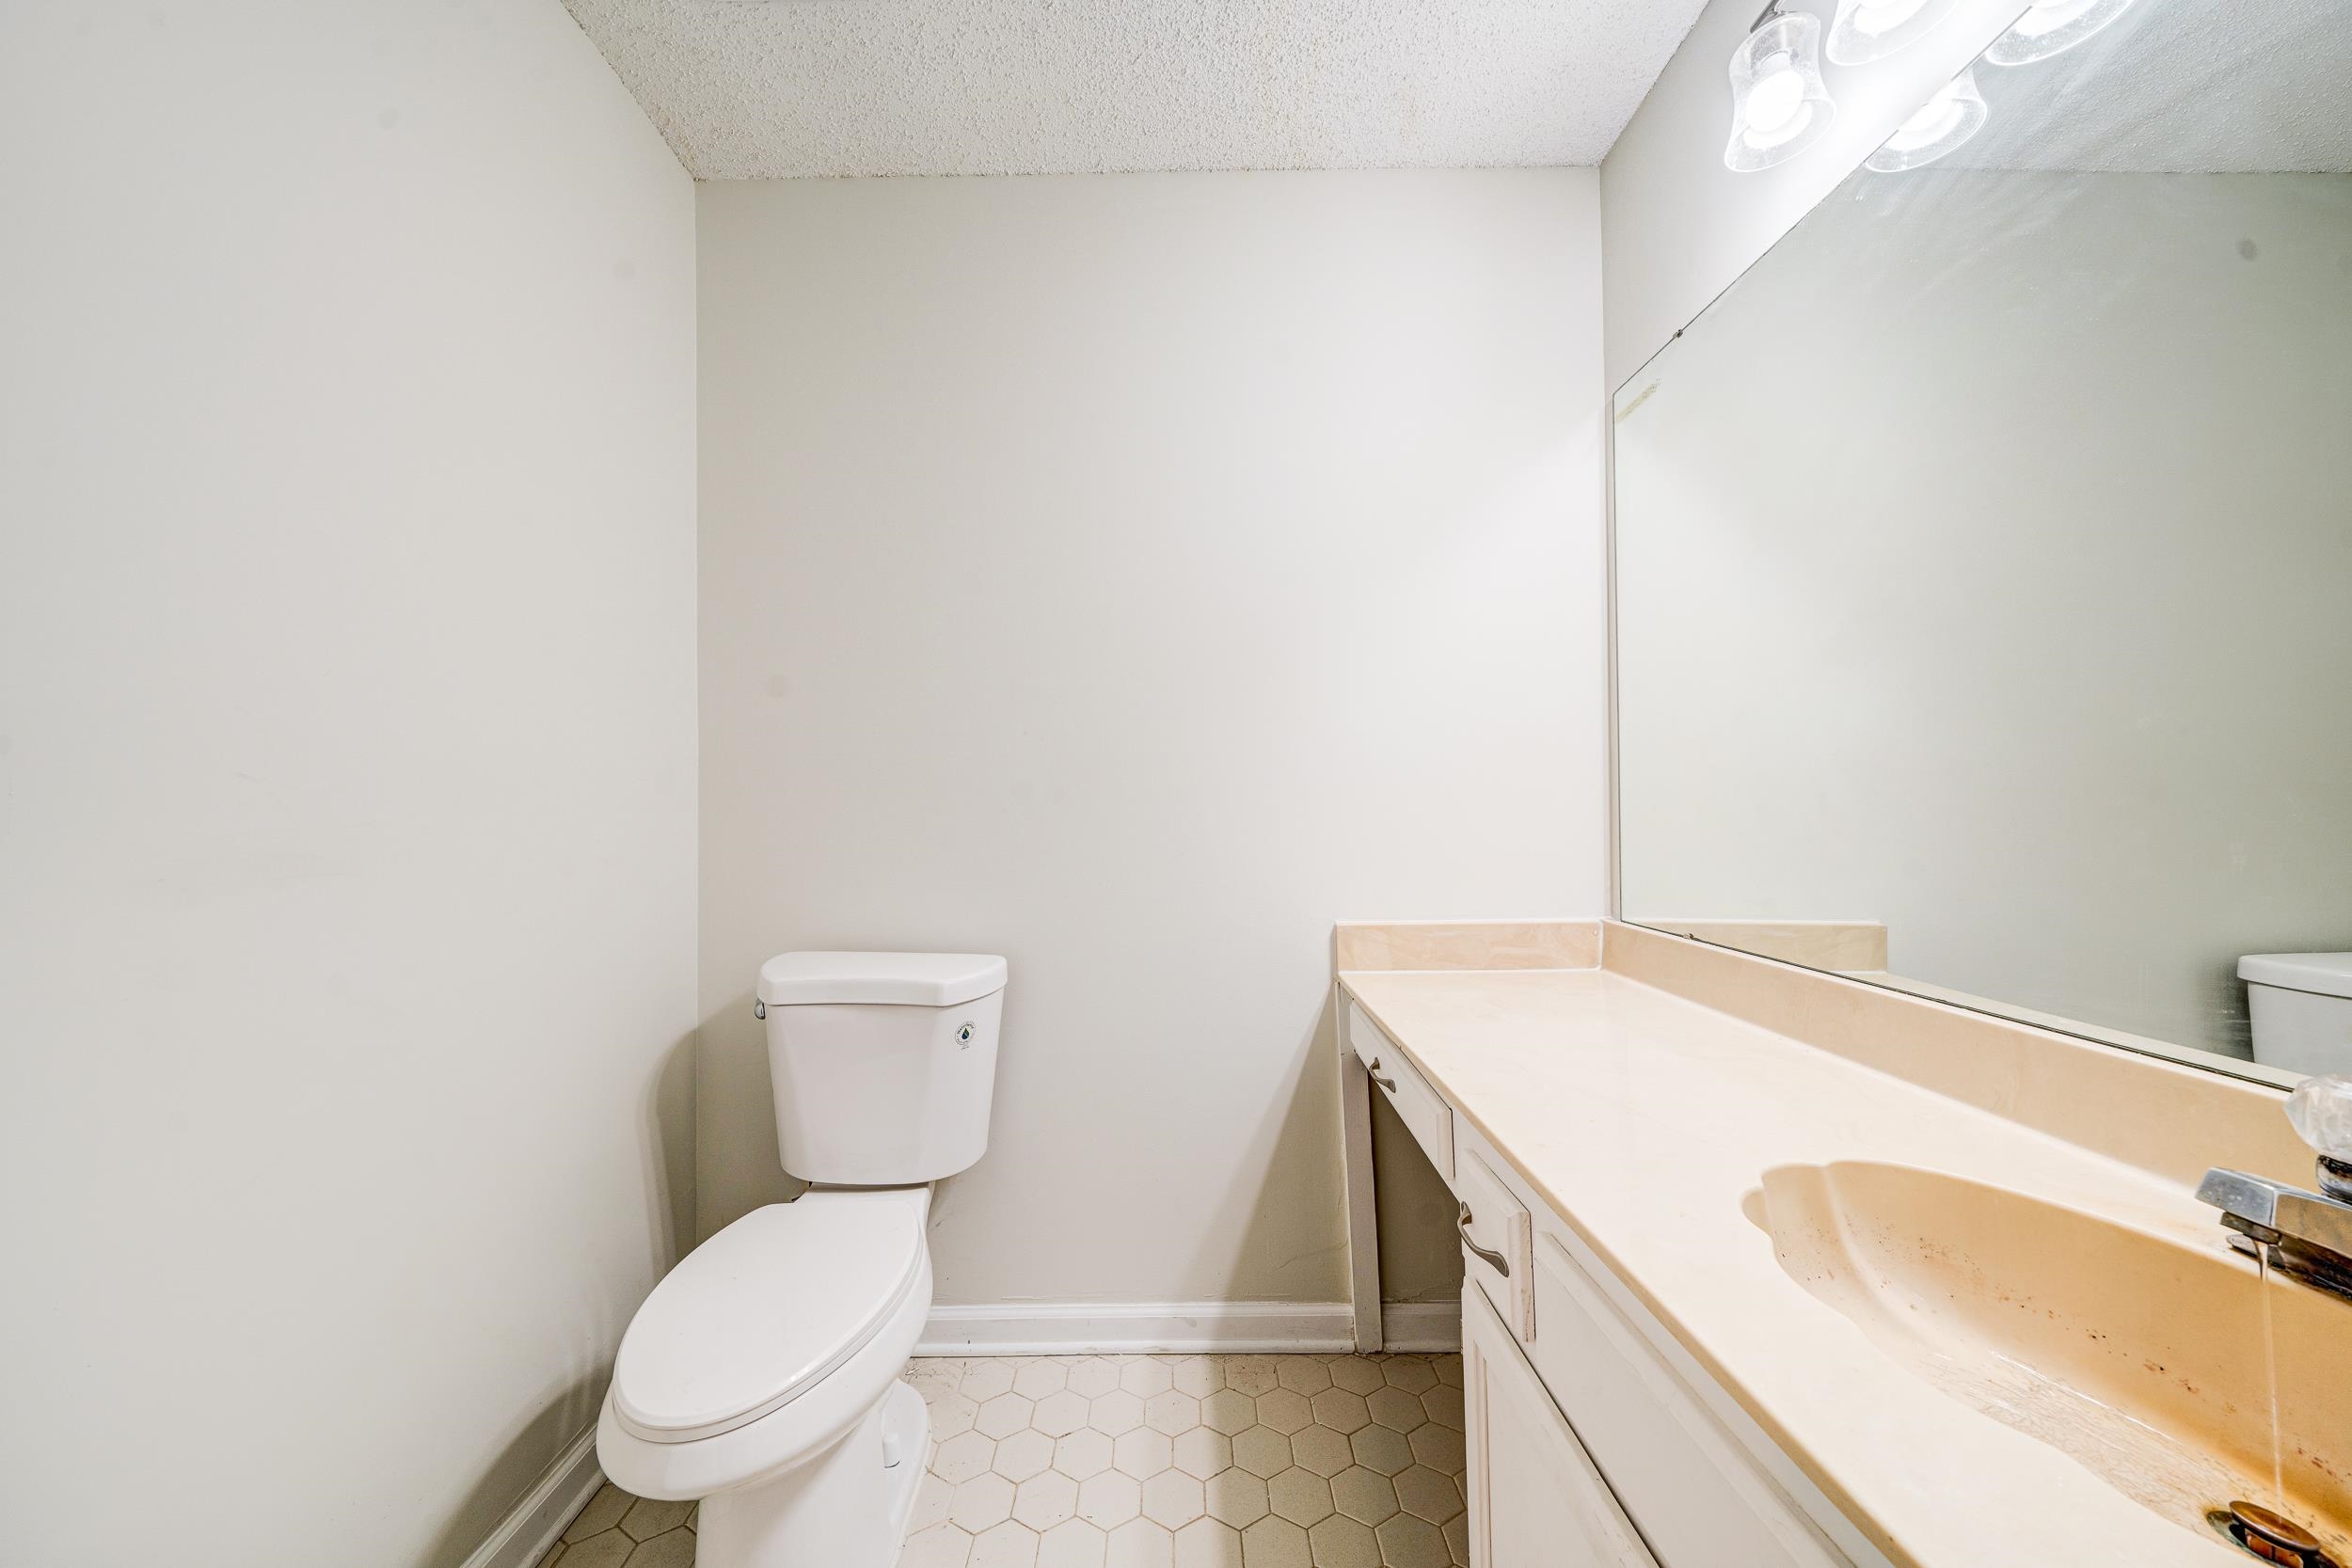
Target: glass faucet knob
2321 1110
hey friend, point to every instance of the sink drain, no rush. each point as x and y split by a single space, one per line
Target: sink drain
2269 1536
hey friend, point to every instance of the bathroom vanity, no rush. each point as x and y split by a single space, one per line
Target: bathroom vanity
1769 1267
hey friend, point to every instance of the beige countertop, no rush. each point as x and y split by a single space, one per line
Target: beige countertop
1645 1119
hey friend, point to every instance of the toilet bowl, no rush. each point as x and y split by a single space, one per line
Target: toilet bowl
2300 1005
762 1375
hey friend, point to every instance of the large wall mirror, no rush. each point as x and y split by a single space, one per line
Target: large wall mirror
1984 557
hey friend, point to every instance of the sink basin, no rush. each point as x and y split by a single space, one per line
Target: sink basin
2148 1360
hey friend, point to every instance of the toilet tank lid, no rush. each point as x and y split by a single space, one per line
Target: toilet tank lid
2326 973
907 979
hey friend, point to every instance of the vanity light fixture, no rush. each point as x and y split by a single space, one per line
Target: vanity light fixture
1956 113
1778 105
1867 30
2052 27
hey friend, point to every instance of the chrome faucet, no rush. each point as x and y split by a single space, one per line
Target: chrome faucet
2305 1235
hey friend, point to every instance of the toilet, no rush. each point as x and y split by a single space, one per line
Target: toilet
2301 1008
762 1375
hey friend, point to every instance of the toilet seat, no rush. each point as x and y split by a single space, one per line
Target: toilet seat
766 1311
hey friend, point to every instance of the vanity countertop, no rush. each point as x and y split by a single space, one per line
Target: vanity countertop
1645 1119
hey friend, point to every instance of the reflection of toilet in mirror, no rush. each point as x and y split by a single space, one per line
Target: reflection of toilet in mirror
2300 1005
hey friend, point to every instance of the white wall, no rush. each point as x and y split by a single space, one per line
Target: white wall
347 767
1133 575
2024 630
1679 226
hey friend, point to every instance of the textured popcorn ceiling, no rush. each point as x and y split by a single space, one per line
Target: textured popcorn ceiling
769 89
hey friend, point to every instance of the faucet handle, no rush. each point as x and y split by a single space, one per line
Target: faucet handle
2321 1111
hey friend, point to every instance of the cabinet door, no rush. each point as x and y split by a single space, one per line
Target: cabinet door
1536 1502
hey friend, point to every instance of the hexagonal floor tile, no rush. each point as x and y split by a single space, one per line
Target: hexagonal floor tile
1413 1374
1171 1412
980 1502
1173 1499
1140 1543
1286 1411
983 1379
1236 1497
1082 1453
1302 1375
1142 1453
1339 1410
1203 1451
647 1518
960 1458
1227 1410
1365 1495
1393 1408
1108 1499
1382 1448
1340 1542
1299 1496
1073 1544
1250 1374
940 1546
1115 1412
1004 1546
1144 1377
1045 1500
1322 1449
1262 1451
1059 1414
1093 1377
1022 1455
1208 1543
1422 1491
1275 1542
1441 1448
1003 1415
1409 1542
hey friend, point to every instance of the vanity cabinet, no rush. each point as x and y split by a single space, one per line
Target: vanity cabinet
1536 1498
1596 1440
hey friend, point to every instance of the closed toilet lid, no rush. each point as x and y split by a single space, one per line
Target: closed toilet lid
764 1309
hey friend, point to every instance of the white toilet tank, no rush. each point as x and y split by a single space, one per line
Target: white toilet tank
884 1063
2301 1008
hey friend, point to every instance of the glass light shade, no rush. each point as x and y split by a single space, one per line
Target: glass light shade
2053 28
1868 30
1778 105
1956 113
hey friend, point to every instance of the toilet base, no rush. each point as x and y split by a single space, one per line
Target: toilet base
845 1507
906 1449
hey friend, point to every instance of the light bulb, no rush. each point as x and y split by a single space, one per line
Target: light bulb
2053 28
1868 30
1957 111
1778 105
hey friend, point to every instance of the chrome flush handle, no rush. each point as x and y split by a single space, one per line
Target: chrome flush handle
1494 1261
1372 1067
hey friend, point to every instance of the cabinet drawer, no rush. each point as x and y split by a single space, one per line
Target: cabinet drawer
1696 1496
1495 1236
1536 1498
1418 1105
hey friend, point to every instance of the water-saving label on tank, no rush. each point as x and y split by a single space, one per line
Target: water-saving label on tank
963 1035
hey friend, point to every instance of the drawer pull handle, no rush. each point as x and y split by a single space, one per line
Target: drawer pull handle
1494 1261
1372 1067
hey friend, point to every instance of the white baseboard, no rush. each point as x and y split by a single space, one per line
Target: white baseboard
1429 1326
1167 1327
553 1503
